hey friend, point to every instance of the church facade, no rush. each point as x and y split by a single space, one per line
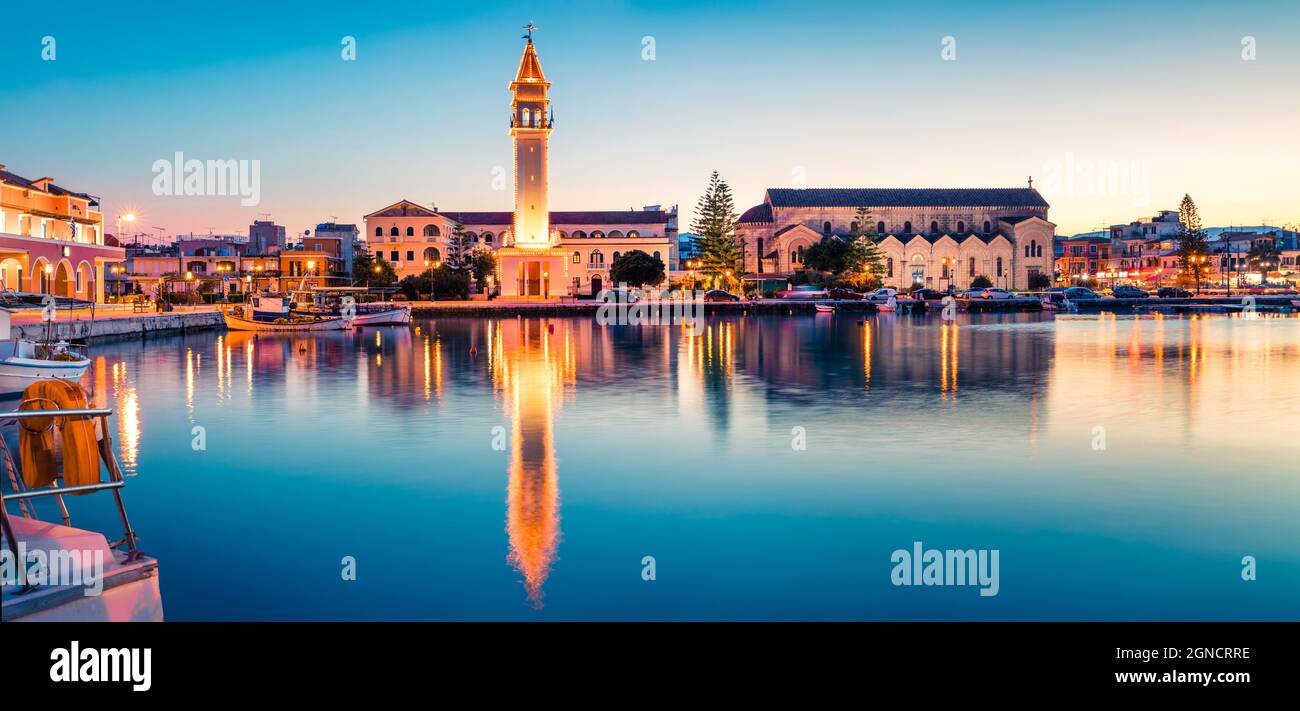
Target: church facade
930 237
541 254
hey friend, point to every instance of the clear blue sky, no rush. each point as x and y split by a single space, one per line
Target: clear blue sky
844 94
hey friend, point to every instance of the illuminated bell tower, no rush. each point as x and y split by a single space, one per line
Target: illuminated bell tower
530 127
532 266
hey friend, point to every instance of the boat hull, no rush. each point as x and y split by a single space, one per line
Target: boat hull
17 373
392 317
238 323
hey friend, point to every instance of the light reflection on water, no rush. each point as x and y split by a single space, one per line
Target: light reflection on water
676 442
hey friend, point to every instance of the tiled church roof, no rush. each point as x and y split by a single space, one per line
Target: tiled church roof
904 197
757 213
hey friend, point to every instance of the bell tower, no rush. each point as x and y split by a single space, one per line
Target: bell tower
530 127
533 266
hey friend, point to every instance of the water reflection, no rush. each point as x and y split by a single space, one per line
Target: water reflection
530 364
984 421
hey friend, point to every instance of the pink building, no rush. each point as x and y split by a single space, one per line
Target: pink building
52 239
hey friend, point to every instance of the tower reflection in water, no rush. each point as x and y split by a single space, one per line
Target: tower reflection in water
530 362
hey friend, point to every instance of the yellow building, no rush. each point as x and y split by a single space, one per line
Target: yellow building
52 239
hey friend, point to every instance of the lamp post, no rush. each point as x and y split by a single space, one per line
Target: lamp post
129 217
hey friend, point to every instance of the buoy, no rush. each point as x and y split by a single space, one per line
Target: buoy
473 350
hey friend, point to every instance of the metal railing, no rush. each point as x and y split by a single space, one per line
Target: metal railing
115 483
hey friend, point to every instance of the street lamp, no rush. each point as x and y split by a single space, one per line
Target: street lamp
129 217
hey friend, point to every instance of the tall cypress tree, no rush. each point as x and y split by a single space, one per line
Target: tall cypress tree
456 248
715 230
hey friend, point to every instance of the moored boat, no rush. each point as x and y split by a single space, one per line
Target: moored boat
23 361
87 578
824 308
342 301
272 313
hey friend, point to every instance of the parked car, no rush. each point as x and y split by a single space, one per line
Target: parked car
720 295
928 294
805 291
1080 293
843 293
1124 291
881 294
1172 292
989 293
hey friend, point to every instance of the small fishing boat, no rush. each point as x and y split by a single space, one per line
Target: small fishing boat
890 305
272 314
93 580
824 308
343 301
23 361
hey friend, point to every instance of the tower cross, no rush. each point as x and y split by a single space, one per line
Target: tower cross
528 30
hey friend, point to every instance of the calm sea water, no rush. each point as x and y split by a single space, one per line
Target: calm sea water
525 468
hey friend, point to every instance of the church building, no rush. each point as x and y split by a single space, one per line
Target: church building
930 237
541 254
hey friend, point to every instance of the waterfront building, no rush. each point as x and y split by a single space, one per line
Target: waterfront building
52 239
337 240
930 237
266 237
541 253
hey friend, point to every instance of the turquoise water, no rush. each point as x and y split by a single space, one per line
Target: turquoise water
523 469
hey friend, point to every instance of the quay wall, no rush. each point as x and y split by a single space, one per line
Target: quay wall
121 326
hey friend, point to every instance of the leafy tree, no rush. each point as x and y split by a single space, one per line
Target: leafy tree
636 268
715 230
981 282
370 270
443 282
1039 281
1193 247
828 255
482 264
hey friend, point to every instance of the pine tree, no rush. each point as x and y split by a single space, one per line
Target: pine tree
1193 247
715 227
456 243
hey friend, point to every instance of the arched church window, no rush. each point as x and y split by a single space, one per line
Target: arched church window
987 227
597 235
577 258
615 259
853 227
431 231
597 257
393 232
616 235
633 234
579 234
961 227
523 117
934 227
410 231
999 266
487 238
826 228
880 227
379 232
907 227
889 267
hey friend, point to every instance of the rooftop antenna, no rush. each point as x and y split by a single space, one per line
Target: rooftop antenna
265 215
